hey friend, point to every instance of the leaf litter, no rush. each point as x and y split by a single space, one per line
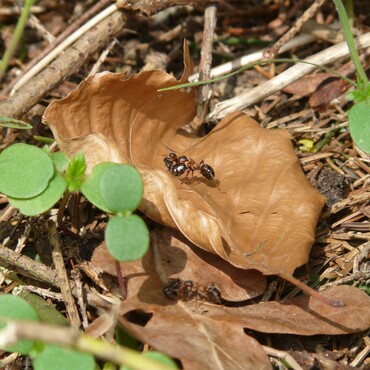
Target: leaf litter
341 244
186 329
258 215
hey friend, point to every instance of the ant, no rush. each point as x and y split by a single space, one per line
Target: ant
179 165
214 294
185 291
179 289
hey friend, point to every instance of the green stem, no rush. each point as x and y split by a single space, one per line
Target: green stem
361 75
17 34
251 65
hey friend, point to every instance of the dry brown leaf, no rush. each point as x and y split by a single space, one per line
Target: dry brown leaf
329 90
260 211
200 343
313 83
178 328
201 333
307 85
204 335
174 257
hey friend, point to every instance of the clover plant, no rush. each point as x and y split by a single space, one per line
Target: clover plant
35 179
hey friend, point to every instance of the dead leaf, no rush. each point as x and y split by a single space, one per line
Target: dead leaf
324 87
259 212
175 328
329 90
204 335
174 257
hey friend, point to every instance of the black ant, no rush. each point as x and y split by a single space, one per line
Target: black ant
179 165
179 289
185 290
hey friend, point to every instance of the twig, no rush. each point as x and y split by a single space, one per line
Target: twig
71 28
27 266
236 64
44 293
76 275
65 65
271 52
8 360
150 7
292 74
102 58
62 46
312 292
205 63
38 271
282 355
62 275
69 337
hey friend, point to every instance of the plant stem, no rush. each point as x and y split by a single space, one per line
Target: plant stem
361 75
17 34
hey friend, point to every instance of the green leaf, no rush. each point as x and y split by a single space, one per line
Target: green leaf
44 201
45 311
13 307
121 187
76 172
25 171
57 358
14 123
123 338
127 238
44 139
91 187
60 161
359 125
158 356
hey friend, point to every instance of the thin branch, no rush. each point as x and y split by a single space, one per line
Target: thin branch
63 280
70 337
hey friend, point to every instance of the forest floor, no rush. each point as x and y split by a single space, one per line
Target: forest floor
312 108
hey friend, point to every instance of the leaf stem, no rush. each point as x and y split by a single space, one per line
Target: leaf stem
17 34
260 62
361 75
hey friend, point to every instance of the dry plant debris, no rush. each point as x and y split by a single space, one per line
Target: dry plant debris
259 216
219 328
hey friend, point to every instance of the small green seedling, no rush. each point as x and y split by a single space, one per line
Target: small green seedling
118 189
35 179
47 356
12 307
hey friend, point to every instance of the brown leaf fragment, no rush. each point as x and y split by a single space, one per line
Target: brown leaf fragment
324 86
306 85
329 90
199 343
175 257
206 335
182 329
304 315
